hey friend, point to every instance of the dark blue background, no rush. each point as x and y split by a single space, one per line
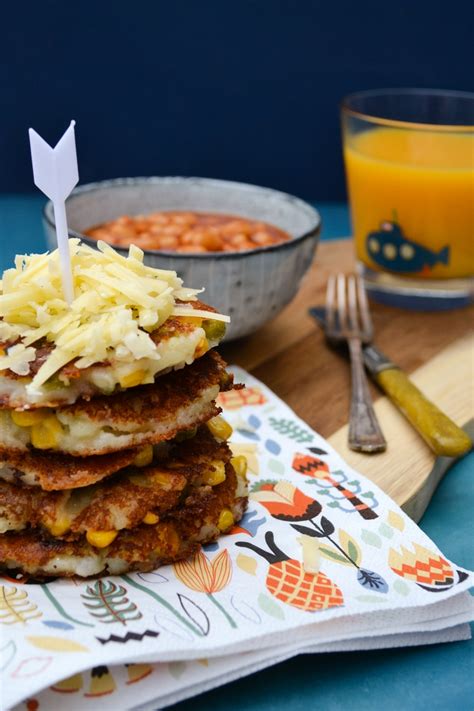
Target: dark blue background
247 90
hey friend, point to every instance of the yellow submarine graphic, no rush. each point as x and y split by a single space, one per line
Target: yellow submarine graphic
390 249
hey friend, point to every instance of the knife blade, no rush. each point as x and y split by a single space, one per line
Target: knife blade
441 434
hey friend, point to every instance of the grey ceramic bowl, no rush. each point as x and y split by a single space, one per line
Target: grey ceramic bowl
251 286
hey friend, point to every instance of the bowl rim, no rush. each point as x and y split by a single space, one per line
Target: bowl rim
48 215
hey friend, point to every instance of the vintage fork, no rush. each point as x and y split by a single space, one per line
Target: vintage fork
348 318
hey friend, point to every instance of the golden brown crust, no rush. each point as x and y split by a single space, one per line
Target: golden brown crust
194 453
24 502
55 471
123 500
143 548
197 305
147 414
176 326
169 393
131 500
164 434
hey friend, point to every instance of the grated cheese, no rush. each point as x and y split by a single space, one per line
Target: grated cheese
118 302
199 313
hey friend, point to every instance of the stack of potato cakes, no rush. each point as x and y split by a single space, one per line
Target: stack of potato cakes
113 455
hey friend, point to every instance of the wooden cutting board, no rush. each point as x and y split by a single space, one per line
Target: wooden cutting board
290 355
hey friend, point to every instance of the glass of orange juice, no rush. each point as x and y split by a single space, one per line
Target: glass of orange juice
409 157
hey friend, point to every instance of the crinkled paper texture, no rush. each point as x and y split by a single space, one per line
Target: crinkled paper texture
322 557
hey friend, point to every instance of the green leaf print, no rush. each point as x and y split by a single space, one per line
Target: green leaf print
270 607
371 538
108 602
331 554
291 430
385 530
276 466
401 587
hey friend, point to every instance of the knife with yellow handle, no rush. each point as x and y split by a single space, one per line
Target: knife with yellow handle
440 433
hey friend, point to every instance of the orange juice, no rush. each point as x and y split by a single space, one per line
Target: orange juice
412 200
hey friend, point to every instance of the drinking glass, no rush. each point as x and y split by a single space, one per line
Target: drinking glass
409 158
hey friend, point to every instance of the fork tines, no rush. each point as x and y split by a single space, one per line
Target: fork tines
347 309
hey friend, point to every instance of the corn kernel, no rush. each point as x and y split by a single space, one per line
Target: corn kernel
201 348
216 475
151 518
226 520
101 539
132 379
193 320
170 542
144 456
46 434
240 465
28 417
59 527
219 427
174 540
162 478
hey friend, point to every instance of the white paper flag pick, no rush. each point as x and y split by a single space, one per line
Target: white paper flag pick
55 173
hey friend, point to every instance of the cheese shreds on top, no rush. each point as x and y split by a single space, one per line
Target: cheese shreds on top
199 313
118 302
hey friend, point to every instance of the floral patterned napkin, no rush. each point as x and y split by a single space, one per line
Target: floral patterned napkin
322 557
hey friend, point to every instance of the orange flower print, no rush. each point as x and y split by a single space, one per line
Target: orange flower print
315 468
429 570
288 581
202 575
284 501
309 465
235 399
205 576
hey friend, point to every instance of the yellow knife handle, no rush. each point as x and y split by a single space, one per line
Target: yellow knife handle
444 437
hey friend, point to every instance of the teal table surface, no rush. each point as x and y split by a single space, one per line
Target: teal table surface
433 677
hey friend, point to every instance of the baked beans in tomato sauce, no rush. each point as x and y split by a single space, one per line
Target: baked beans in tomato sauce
188 232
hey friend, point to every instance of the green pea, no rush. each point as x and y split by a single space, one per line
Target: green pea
53 383
214 330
